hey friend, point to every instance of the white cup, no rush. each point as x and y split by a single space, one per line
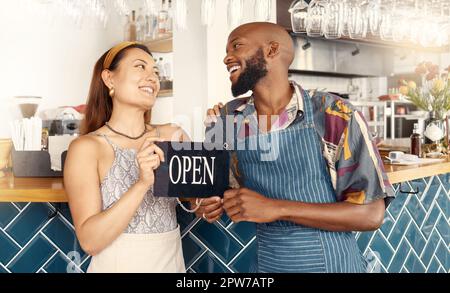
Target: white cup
396 155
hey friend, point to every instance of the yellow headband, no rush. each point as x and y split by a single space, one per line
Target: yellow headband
114 51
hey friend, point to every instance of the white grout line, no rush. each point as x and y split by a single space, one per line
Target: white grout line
428 213
191 226
439 262
242 250
65 220
29 241
17 208
417 227
5 268
413 251
434 253
378 261
20 212
442 184
12 239
85 260
398 246
232 235
198 258
218 258
61 216
399 215
434 226
368 243
60 251
406 258
48 260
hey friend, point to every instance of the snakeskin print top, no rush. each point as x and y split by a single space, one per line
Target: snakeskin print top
154 215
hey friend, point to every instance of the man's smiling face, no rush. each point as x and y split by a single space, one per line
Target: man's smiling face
245 62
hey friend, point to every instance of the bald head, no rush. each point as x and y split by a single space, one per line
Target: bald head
266 33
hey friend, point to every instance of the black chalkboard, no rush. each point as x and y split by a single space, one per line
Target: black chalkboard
192 170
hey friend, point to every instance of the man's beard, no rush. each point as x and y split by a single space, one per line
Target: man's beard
255 70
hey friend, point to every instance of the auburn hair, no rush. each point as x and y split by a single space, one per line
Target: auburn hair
99 106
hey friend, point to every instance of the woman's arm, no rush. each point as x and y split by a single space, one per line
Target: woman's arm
96 229
247 205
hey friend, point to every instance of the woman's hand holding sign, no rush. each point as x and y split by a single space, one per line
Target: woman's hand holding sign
210 208
149 158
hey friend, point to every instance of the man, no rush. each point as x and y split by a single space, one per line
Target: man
325 178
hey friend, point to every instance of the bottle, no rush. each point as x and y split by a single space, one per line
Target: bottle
168 70
130 28
163 16
161 69
140 26
126 28
170 18
416 141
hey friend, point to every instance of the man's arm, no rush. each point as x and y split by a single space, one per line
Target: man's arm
244 205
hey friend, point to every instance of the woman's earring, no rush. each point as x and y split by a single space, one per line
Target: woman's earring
112 92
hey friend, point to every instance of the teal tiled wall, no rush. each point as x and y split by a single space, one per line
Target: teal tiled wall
415 237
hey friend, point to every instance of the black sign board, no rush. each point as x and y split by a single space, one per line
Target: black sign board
192 170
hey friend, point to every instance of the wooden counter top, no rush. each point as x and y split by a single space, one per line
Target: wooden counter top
397 174
14 189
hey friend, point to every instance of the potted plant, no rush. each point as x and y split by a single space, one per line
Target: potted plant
434 97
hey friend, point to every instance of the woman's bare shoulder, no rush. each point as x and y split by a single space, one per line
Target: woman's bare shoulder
87 144
172 132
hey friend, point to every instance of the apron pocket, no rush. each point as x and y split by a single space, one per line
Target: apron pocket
290 250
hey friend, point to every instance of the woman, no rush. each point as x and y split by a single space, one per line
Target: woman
109 171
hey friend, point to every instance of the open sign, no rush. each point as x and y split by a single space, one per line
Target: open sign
195 170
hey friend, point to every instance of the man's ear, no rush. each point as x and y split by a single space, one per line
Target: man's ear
107 78
273 49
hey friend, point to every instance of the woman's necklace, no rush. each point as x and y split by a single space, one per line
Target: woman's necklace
127 136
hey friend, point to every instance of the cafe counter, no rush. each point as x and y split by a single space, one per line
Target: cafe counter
37 234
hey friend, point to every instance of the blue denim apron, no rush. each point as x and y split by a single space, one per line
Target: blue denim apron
297 173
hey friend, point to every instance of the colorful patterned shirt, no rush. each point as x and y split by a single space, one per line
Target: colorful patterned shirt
354 163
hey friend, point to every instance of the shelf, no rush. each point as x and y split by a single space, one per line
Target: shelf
408 116
375 123
163 44
400 102
165 93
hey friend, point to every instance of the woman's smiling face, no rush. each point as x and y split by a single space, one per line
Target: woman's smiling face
136 80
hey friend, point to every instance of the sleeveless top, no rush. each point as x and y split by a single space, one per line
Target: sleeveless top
154 215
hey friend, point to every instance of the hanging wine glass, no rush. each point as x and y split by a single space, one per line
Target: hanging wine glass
428 37
235 12
400 28
357 22
386 25
345 8
208 12
373 13
316 14
299 16
263 10
332 21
